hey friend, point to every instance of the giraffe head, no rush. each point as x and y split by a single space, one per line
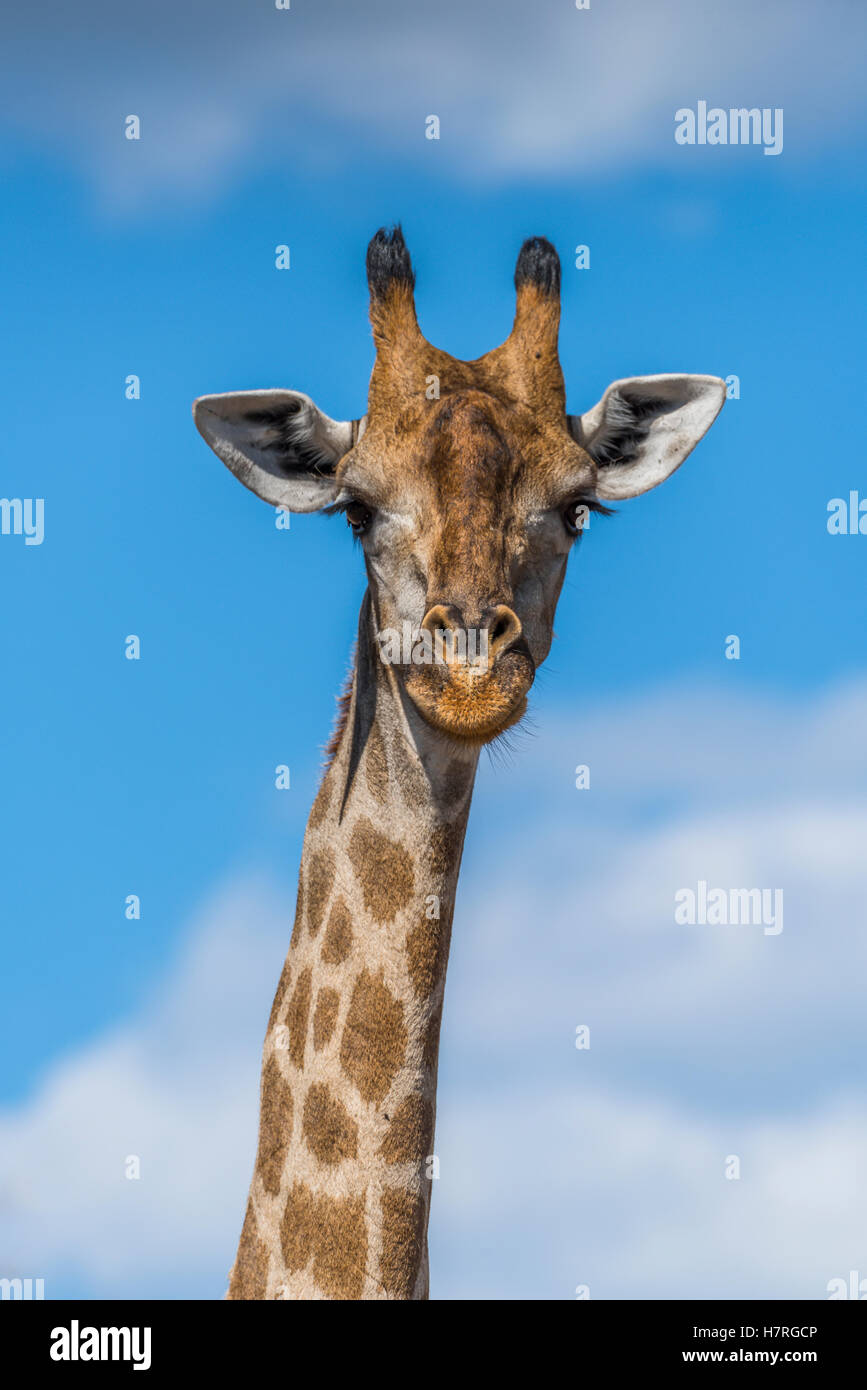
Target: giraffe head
466 482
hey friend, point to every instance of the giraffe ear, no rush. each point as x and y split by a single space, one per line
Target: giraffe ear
278 443
644 427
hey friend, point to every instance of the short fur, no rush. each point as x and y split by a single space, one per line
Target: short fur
468 490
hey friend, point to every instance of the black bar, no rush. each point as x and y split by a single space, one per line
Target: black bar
227 1338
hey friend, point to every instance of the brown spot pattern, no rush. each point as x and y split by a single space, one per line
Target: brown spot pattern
375 766
250 1273
296 1017
298 1228
320 805
446 843
410 778
411 1132
279 997
320 874
455 786
330 1133
275 1126
384 871
337 942
404 1219
427 943
331 1232
374 1038
427 949
324 1017
432 1041
299 912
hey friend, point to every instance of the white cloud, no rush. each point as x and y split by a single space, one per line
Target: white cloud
544 90
177 1087
542 1190
559 1166
684 786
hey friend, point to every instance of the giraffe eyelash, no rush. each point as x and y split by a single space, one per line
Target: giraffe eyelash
337 508
586 505
341 505
592 503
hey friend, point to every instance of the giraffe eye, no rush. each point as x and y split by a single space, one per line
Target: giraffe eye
575 517
358 517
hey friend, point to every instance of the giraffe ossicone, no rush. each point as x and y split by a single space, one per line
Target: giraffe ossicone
467 507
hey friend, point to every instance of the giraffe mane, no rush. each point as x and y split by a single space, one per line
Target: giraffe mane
341 718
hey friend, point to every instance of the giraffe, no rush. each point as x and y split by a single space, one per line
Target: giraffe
467 485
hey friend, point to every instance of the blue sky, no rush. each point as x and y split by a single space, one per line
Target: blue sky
156 777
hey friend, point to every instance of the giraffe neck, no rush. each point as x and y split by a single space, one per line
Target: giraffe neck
340 1197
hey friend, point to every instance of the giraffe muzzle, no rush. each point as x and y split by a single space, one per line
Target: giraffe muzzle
475 684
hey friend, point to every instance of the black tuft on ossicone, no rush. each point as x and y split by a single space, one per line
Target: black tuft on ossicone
388 260
538 264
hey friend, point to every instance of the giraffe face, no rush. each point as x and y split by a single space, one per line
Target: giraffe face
466 530
467 483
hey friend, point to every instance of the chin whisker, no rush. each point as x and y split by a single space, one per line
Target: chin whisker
503 750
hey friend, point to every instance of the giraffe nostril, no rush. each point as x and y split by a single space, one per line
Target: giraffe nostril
504 628
443 616
495 631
